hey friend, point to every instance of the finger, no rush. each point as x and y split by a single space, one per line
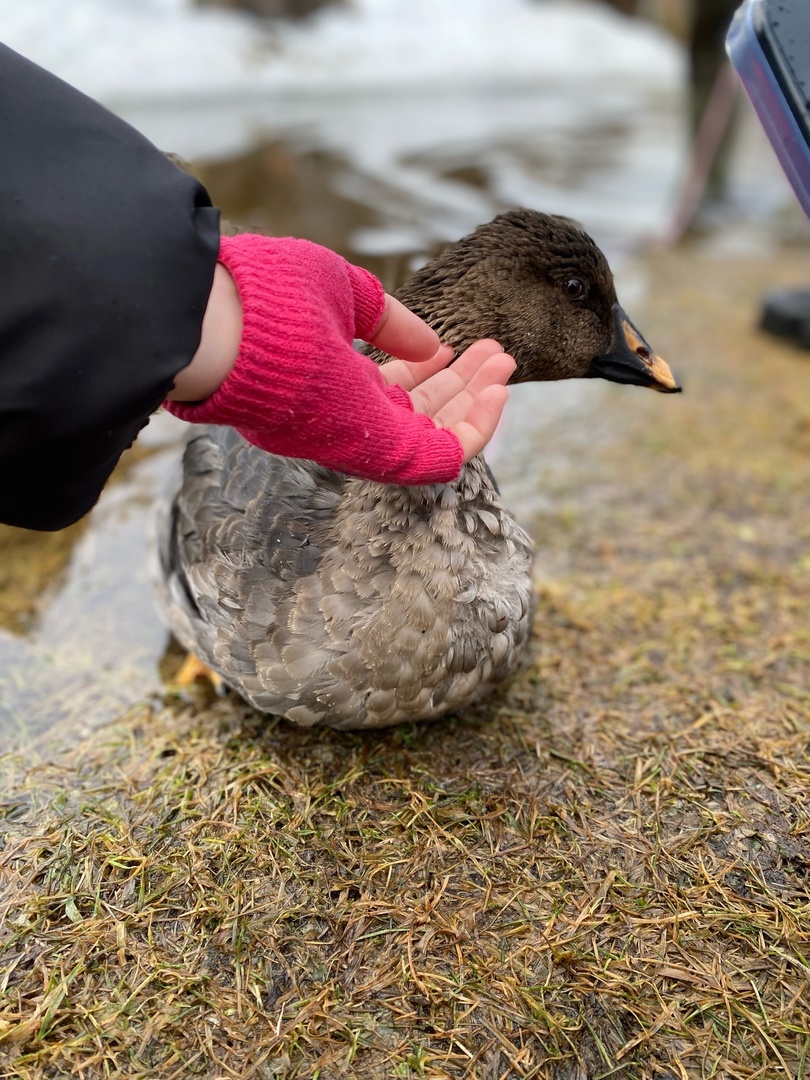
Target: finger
495 372
448 395
402 333
434 393
478 428
496 369
407 375
468 363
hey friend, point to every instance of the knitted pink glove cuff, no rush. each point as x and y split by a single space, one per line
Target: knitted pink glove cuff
298 388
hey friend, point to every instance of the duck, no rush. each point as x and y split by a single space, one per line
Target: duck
331 600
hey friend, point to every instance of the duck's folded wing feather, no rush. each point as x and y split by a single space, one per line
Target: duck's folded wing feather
242 529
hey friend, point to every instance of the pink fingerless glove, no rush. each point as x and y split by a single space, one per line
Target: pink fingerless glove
298 387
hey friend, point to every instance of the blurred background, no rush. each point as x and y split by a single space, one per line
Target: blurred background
383 129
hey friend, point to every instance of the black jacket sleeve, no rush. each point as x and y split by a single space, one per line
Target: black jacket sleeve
107 256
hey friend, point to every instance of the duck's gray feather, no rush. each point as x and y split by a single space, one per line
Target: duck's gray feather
330 600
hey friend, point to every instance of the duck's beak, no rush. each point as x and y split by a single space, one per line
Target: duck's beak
632 360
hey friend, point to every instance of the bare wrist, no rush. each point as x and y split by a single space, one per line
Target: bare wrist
219 343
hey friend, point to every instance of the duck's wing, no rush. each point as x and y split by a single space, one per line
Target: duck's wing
244 528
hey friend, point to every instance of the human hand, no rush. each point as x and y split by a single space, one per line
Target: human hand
298 388
467 398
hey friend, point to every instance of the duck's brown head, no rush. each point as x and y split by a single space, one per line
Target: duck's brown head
541 287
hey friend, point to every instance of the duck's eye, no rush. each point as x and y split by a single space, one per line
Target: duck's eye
574 288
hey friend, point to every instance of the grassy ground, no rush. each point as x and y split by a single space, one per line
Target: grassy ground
602 872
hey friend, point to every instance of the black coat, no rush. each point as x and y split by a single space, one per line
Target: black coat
107 255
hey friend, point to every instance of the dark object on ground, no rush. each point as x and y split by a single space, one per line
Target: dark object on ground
273 9
786 313
627 7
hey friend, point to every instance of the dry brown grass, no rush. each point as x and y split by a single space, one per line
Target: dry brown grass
603 872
